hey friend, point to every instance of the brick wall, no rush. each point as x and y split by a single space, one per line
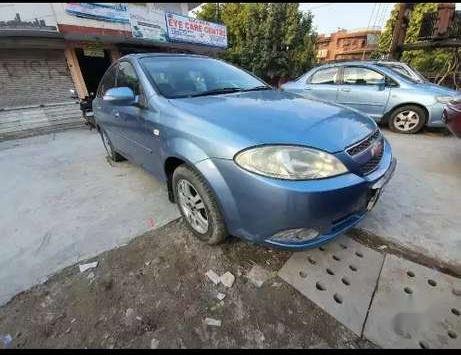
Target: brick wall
33 77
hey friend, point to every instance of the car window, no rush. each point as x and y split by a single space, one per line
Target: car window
325 76
361 76
177 77
127 77
107 82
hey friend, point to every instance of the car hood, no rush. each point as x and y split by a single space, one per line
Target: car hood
438 90
273 116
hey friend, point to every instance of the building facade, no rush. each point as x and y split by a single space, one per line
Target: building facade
47 49
347 45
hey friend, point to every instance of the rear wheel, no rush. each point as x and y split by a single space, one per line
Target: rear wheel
198 206
407 119
113 155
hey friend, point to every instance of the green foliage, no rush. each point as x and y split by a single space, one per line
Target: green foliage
424 60
273 40
385 38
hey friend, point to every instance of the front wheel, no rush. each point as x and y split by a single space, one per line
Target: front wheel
407 119
198 206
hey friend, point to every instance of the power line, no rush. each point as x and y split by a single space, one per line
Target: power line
368 27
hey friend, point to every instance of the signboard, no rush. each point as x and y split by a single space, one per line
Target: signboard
18 24
110 12
148 24
187 29
93 50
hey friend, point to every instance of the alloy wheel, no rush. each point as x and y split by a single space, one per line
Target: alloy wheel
191 203
406 120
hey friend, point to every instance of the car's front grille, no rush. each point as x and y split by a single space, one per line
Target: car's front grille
364 144
371 164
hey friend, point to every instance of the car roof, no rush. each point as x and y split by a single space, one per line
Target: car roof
162 54
359 62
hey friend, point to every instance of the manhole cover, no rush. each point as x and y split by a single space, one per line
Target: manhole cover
415 307
339 277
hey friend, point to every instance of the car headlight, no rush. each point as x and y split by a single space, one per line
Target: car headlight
290 162
444 99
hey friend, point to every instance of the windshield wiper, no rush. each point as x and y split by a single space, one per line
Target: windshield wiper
217 91
261 87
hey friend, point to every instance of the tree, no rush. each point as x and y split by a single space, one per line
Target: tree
273 40
435 63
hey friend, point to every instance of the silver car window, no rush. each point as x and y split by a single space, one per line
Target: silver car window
361 76
325 76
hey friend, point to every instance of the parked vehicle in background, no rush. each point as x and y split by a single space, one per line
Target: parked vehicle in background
452 116
386 95
86 106
238 156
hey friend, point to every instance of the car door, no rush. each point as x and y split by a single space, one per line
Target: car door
140 138
104 110
323 84
364 89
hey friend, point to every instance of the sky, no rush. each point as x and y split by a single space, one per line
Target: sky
328 17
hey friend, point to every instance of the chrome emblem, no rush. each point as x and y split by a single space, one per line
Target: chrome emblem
376 149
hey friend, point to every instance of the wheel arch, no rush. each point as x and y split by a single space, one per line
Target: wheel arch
388 114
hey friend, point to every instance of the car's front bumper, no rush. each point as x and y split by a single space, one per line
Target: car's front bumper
452 118
256 208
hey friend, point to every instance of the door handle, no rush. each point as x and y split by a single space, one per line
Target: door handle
117 114
345 90
307 88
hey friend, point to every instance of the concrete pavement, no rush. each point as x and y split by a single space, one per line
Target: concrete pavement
420 209
63 202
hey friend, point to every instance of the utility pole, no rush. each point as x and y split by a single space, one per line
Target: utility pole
400 30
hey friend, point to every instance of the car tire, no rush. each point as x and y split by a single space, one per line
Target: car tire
113 155
198 205
408 119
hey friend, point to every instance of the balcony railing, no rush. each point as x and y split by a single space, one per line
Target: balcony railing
428 29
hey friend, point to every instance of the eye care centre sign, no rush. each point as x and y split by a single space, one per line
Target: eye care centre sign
187 29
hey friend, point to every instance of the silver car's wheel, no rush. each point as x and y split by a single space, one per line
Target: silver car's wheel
407 119
192 206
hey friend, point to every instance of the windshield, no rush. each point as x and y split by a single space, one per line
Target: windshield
177 77
408 73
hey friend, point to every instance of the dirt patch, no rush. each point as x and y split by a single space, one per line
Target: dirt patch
153 292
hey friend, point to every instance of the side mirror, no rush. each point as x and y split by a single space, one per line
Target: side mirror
122 96
73 94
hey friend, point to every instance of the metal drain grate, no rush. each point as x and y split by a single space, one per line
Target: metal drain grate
339 277
415 307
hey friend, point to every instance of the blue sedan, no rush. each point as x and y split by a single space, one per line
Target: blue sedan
239 157
380 89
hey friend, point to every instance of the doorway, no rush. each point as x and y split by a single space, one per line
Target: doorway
92 68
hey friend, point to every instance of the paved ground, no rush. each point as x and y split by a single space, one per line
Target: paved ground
62 201
421 207
154 292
